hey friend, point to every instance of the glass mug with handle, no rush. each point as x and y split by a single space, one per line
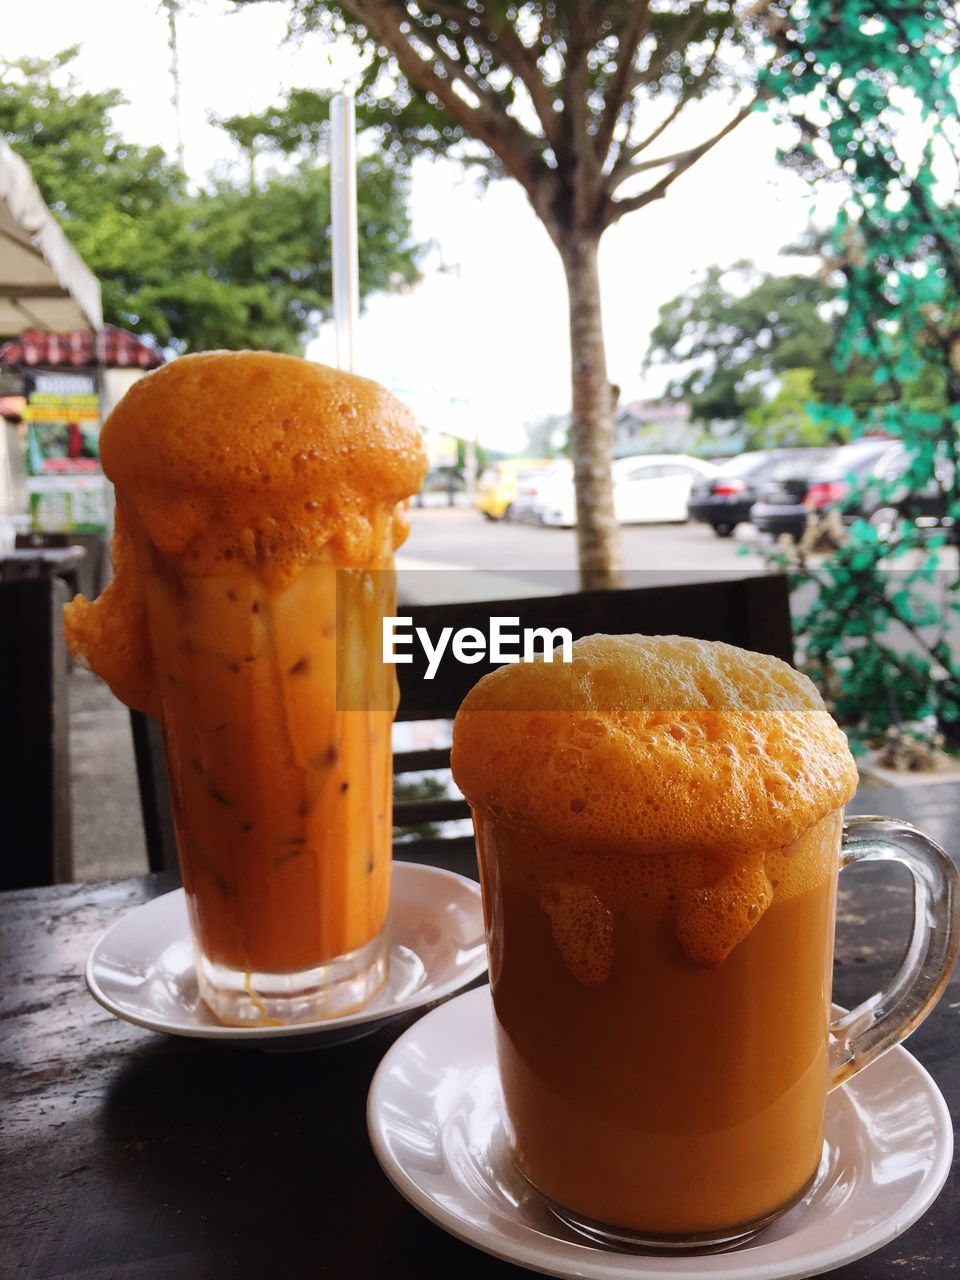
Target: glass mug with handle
659 828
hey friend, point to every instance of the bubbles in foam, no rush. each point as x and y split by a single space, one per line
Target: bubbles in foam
582 929
215 443
712 920
753 769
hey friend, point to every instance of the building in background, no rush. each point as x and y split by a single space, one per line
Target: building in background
653 426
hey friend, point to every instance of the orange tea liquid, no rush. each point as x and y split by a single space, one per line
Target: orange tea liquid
642 1089
282 802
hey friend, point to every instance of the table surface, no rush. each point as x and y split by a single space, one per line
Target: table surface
124 1153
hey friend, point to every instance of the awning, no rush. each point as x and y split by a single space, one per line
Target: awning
110 348
44 283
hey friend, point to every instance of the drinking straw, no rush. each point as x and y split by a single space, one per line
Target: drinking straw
343 208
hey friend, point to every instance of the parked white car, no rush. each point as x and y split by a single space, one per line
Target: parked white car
649 488
539 489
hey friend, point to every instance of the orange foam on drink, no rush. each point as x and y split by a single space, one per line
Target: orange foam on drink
240 461
711 761
582 929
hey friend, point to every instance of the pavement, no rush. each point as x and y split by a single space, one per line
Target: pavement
456 554
107 827
464 538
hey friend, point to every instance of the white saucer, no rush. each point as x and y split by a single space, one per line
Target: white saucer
434 1117
142 969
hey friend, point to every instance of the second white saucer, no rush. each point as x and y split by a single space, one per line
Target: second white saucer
142 968
435 1118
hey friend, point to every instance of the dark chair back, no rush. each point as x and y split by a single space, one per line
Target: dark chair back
34 743
752 612
154 790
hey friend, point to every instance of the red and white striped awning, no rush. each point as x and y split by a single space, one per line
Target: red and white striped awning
109 348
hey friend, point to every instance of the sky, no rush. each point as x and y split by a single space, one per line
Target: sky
480 345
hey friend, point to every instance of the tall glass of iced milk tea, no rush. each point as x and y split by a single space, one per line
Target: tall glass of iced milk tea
260 499
659 828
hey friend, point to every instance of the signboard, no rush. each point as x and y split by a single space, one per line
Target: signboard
62 409
69 503
62 449
65 480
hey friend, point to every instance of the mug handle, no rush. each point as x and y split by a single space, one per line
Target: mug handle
889 1016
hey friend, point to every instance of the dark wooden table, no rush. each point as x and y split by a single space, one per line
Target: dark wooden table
125 1153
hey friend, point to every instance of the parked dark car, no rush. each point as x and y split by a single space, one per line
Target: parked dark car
891 501
725 500
783 506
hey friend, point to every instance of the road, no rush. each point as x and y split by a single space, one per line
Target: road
454 555
457 554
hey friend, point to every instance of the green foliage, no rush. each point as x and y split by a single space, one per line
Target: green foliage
234 265
547 437
78 160
786 418
730 328
425 786
737 330
849 76
877 638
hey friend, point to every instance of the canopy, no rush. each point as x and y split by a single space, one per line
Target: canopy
111 348
44 283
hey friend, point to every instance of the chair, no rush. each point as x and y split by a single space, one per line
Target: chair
752 612
35 750
154 791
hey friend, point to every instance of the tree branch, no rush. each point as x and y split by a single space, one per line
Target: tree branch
659 161
622 82
578 143
621 169
666 45
524 65
624 167
633 79
617 208
385 20
452 55
504 44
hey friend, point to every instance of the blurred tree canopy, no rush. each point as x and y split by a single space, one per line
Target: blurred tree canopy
737 329
239 263
749 344
786 418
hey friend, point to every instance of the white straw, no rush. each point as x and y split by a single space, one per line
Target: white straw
343 205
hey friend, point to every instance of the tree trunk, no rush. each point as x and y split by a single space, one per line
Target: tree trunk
591 424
